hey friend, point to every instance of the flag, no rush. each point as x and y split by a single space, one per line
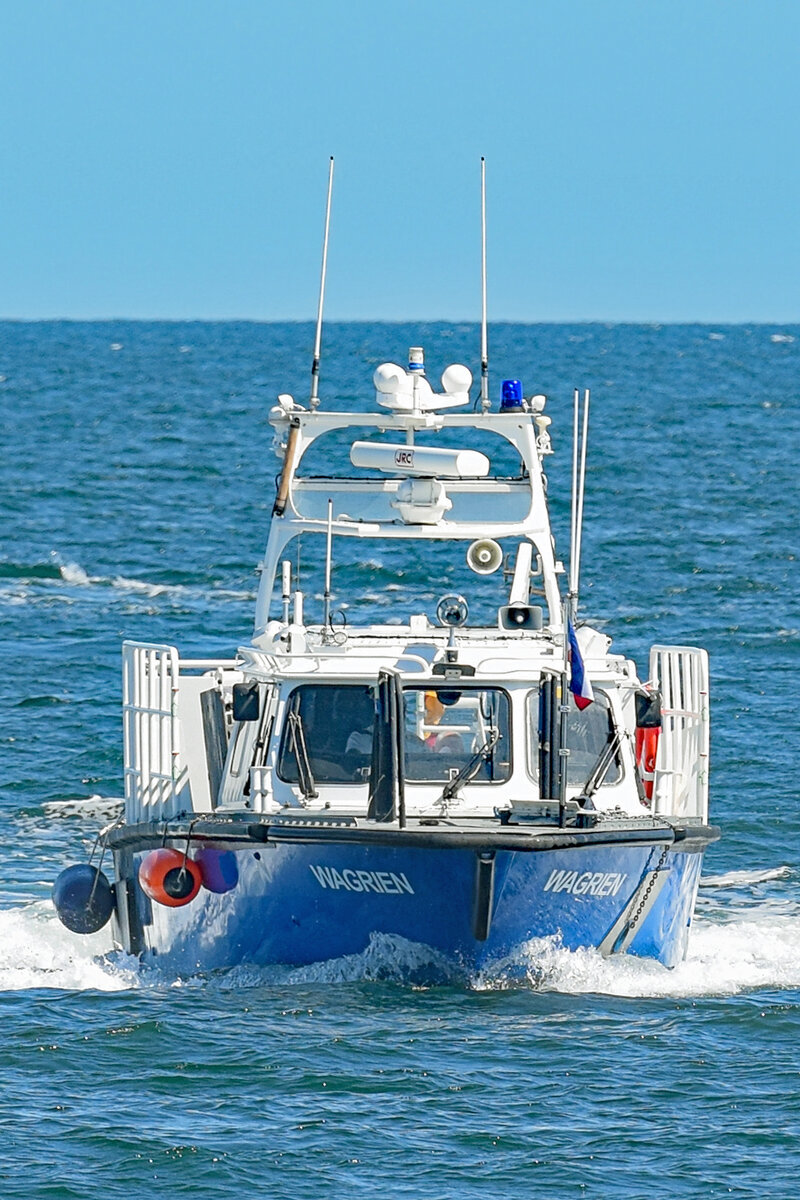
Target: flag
579 683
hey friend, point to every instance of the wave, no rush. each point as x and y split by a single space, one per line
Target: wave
75 576
388 958
726 959
24 571
36 951
739 879
746 946
88 808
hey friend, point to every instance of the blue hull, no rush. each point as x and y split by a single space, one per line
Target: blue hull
302 903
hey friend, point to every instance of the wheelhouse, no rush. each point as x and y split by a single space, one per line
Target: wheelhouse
311 744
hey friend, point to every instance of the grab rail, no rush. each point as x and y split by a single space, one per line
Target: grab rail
155 776
680 783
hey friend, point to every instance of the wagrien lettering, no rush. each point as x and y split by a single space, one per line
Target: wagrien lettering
385 883
591 883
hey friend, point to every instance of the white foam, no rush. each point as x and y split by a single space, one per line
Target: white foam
737 948
758 949
76 575
99 808
739 879
36 951
73 573
141 586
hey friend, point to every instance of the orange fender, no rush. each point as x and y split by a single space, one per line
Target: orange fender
169 877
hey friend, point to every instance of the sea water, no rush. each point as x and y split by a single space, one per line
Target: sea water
136 484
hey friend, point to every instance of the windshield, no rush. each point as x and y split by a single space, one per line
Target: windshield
446 726
336 723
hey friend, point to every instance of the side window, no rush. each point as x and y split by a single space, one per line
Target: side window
336 724
588 731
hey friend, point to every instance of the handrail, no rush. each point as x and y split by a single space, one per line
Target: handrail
210 664
680 784
155 775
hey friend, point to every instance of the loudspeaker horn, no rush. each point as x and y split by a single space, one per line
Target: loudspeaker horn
484 556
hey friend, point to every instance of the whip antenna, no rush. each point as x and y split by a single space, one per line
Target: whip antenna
318 339
485 401
579 445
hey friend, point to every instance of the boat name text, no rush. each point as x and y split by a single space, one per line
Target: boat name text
592 883
386 883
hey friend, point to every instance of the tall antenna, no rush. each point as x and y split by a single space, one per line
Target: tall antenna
485 401
580 438
318 340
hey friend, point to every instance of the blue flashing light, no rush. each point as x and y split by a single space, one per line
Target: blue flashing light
511 395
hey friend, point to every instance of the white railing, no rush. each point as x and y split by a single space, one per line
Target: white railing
155 777
680 786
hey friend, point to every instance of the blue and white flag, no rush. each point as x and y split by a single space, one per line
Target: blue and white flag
579 683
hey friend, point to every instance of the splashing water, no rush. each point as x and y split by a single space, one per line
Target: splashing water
742 945
36 951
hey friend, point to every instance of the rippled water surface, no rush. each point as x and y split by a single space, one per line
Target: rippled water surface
136 482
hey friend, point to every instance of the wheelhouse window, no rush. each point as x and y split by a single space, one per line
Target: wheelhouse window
447 728
589 731
331 724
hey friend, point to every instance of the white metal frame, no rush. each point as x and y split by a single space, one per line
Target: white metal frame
155 776
680 786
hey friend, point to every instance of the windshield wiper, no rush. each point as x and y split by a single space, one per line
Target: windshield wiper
297 741
600 769
470 768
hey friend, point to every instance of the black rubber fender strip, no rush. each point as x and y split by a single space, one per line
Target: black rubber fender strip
692 839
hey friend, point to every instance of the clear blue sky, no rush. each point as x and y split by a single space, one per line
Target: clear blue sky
169 158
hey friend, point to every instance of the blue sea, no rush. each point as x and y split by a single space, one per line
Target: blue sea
136 484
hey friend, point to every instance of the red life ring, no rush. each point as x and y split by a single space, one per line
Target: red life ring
169 877
646 753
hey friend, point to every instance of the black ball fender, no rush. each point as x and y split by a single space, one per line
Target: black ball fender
83 898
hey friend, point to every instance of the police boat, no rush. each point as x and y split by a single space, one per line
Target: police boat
473 774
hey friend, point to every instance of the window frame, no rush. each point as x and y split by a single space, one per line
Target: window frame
467 686
601 697
283 747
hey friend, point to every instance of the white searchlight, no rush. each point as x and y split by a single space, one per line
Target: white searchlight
424 461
